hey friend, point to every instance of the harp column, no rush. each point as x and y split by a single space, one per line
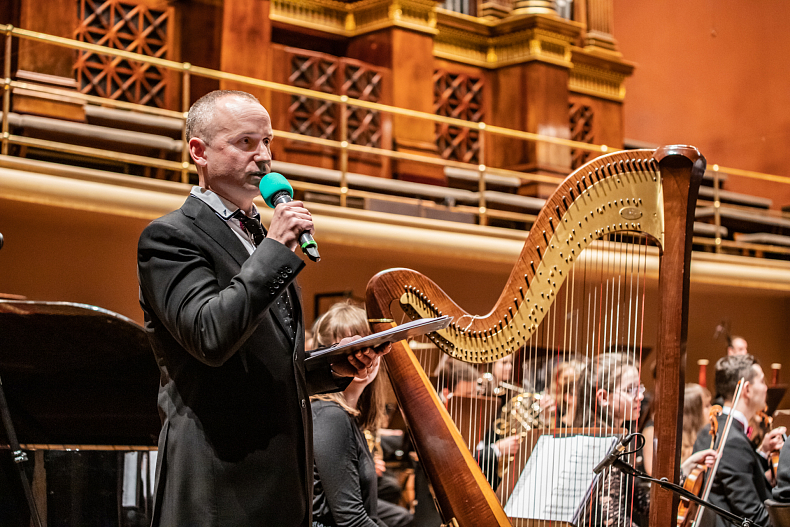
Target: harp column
680 187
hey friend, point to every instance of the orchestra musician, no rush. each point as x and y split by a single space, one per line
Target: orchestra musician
223 317
740 484
696 407
610 395
737 345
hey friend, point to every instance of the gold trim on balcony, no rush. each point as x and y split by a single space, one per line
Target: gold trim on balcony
499 43
357 18
502 50
597 82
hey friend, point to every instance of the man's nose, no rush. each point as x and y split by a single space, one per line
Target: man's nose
263 153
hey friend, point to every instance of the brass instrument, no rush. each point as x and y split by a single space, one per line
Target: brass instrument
521 414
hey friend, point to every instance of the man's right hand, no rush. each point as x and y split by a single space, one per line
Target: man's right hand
290 220
773 441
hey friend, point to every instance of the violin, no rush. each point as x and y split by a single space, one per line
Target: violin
765 425
694 512
693 483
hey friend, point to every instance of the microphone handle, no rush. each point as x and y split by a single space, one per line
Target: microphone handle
306 241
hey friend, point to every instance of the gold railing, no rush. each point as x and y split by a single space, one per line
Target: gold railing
184 167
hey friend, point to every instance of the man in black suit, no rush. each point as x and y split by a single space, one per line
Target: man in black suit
740 485
223 315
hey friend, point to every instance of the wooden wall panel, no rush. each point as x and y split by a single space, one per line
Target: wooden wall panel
714 75
204 19
246 44
532 97
58 18
409 55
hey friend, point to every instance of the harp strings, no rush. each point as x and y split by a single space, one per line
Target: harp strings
601 310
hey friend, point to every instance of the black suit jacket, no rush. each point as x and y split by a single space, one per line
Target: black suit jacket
235 447
739 485
782 489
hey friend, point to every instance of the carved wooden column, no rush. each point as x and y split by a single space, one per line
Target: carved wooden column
58 18
600 24
536 91
406 48
246 44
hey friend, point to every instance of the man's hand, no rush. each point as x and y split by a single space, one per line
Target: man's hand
509 445
773 441
290 220
381 466
703 457
360 363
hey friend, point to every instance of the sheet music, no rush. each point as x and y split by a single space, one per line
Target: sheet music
410 329
558 477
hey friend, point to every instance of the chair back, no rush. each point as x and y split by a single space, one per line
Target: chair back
779 513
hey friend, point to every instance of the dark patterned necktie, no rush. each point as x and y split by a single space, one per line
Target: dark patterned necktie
251 226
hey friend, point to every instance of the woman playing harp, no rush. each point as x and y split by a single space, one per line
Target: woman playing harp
578 290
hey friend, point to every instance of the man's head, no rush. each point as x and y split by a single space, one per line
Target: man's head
737 346
230 135
729 370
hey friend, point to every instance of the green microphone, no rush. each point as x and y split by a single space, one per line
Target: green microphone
275 189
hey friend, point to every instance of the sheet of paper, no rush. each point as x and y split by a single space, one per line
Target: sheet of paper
557 477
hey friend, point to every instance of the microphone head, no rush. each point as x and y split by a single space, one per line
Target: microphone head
272 184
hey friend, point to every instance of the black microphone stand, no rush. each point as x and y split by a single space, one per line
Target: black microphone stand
625 468
16 451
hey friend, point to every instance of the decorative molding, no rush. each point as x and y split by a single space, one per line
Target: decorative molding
356 18
599 74
497 43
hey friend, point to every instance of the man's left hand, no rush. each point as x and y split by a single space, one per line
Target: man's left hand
359 363
773 441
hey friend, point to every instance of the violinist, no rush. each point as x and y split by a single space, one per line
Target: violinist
739 485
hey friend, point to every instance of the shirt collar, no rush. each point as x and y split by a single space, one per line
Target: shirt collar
223 207
737 415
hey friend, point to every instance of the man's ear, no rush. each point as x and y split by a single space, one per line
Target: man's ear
746 391
603 397
197 150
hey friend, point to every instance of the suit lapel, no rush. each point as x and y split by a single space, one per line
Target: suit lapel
215 227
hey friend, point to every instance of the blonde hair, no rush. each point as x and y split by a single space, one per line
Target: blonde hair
342 320
694 400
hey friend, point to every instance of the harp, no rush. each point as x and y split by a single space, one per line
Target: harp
613 205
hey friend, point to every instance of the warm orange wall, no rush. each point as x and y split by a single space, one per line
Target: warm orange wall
715 74
56 254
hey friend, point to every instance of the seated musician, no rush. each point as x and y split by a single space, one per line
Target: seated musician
457 379
696 410
345 483
609 396
559 399
740 485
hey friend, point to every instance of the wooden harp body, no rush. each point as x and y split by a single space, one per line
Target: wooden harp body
641 193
